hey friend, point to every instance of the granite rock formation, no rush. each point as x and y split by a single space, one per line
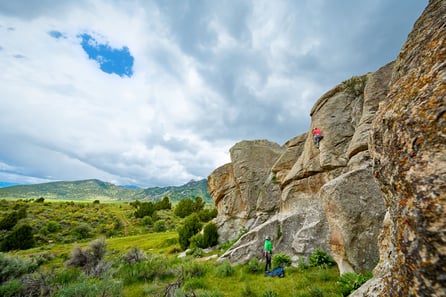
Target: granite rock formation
376 188
303 196
408 141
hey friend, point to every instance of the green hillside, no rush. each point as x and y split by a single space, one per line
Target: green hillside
98 190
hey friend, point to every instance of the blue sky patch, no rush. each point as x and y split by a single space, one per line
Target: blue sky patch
111 60
56 34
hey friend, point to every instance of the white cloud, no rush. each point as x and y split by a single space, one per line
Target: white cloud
204 78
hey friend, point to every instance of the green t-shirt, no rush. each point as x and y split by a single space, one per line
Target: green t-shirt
268 247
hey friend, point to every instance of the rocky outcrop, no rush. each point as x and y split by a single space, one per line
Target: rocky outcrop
242 197
311 201
408 147
380 170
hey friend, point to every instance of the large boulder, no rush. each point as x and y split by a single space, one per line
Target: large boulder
408 148
242 191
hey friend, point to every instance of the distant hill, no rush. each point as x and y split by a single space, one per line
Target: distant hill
94 189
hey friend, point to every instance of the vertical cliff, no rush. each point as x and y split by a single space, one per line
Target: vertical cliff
408 147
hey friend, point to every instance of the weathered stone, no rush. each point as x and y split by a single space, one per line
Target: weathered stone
408 147
354 214
242 190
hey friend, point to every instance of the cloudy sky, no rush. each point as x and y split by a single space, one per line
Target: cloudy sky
155 92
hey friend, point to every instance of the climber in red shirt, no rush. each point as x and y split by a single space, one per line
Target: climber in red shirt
317 136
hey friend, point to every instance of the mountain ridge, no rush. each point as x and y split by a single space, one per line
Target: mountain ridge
94 189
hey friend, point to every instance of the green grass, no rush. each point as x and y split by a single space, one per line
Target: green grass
207 278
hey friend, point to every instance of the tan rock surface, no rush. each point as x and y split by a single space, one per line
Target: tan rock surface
408 147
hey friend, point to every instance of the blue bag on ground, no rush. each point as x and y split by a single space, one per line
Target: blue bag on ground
279 272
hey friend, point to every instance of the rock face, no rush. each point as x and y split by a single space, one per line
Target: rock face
376 188
303 197
239 191
408 147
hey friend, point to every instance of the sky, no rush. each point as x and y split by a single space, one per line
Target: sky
155 93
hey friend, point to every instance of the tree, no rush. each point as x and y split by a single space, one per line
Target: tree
145 209
8 222
199 204
191 227
184 208
21 238
210 235
163 204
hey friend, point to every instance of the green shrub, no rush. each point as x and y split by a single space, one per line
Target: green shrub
145 209
270 293
12 267
224 269
210 294
53 226
193 269
194 283
91 288
9 221
11 288
163 204
349 282
247 291
82 231
281 260
197 241
207 214
191 227
253 266
184 208
160 226
320 258
147 221
21 238
210 235
302 264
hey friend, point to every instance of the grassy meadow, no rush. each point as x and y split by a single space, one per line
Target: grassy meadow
102 249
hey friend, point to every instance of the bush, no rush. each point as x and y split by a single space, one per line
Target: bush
163 204
147 221
184 208
321 259
210 235
12 267
91 288
146 270
281 260
82 231
207 214
224 270
349 282
196 241
145 209
193 269
8 222
253 266
135 255
90 258
191 227
11 288
270 293
53 226
21 238
160 226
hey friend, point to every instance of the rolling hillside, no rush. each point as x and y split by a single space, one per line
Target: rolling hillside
98 190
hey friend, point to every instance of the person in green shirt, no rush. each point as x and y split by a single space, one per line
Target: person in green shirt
267 252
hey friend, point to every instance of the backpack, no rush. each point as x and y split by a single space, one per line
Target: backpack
279 272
